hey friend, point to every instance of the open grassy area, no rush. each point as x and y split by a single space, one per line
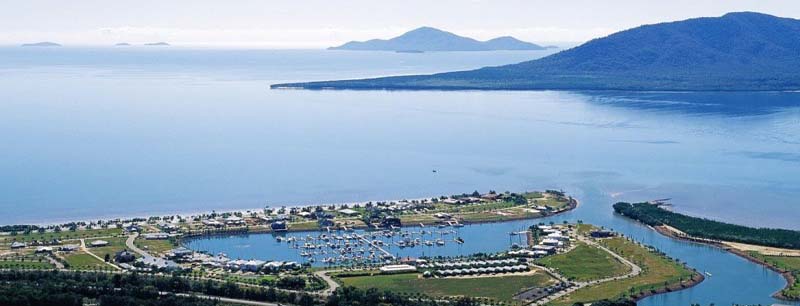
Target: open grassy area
114 245
82 261
787 263
63 235
657 271
155 247
501 288
25 262
585 263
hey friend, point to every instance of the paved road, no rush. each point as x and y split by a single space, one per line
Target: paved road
131 246
224 299
332 284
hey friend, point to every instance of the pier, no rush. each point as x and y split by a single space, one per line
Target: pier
379 248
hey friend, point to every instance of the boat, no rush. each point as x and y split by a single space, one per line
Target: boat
708 273
439 242
459 240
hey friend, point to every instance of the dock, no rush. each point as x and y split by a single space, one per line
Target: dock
379 248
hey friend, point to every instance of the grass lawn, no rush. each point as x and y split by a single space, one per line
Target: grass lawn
501 288
82 261
155 247
585 263
658 270
787 263
28 263
114 245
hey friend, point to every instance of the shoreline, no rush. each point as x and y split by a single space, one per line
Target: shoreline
266 230
787 275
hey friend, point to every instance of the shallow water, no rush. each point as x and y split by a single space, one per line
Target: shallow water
90 133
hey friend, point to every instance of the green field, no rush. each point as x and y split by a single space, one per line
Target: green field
155 247
501 288
26 264
585 263
114 245
83 261
658 271
787 263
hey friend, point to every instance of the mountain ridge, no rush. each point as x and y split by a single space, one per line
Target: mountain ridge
744 51
433 39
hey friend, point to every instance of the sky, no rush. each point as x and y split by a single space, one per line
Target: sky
322 23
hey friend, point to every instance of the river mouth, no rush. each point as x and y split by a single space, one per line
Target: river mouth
727 269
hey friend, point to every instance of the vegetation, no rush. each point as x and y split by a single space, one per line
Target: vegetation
349 296
500 288
658 273
786 263
759 53
585 263
699 227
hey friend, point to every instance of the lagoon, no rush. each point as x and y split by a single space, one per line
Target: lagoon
92 133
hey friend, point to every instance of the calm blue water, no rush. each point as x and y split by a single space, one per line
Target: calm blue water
90 133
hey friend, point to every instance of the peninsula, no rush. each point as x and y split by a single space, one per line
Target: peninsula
743 51
432 39
42 44
777 249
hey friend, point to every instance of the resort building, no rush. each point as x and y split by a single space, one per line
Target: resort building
397 269
18 245
98 243
348 212
124 256
44 249
156 236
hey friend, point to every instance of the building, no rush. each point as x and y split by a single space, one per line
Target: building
124 257
602 234
68 248
391 221
234 220
279 226
397 269
156 263
212 223
98 243
156 236
179 253
348 212
18 245
44 249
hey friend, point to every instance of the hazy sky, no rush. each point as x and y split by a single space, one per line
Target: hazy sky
321 23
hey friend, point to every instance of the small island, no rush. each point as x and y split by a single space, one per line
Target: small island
157 44
42 44
122 44
431 39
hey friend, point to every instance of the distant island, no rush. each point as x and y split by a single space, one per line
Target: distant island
742 51
161 43
123 44
432 39
42 44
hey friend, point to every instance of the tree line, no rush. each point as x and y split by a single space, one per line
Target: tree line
704 228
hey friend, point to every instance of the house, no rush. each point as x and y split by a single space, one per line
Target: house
391 221
551 242
179 253
44 249
490 196
397 269
124 256
545 248
213 223
348 212
234 220
156 263
602 234
18 245
68 248
98 243
279 226
253 265
155 236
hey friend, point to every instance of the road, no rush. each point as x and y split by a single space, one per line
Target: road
132 246
635 270
86 250
332 284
